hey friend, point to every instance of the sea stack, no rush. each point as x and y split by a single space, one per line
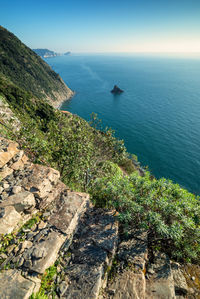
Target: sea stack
116 90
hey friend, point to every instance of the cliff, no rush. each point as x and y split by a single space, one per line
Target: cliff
78 219
24 68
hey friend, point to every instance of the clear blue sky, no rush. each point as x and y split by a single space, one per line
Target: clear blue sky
105 25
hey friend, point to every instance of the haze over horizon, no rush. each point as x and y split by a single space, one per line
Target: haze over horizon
116 26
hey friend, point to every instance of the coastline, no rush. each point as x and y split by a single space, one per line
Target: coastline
61 97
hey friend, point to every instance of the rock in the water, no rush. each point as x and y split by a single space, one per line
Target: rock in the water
116 90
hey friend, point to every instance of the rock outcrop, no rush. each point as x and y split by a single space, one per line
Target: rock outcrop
44 224
116 90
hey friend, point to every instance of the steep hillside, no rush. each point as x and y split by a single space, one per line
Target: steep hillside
28 71
146 253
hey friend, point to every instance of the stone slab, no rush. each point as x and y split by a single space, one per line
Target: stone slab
161 284
93 249
44 254
40 180
14 286
21 201
128 285
68 208
9 219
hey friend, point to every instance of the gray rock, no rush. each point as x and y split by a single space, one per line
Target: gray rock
16 189
15 286
49 249
22 201
67 211
129 285
94 247
180 284
40 180
160 285
3 256
39 252
9 220
6 186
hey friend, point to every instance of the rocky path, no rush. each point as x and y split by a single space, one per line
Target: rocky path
43 225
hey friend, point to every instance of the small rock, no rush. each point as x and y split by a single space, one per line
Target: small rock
111 292
10 248
193 278
3 256
42 225
16 189
5 186
21 261
46 214
26 230
38 253
33 228
30 235
28 264
151 271
24 245
63 287
191 291
1 189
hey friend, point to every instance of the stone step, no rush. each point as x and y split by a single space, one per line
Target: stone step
91 254
128 279
160 283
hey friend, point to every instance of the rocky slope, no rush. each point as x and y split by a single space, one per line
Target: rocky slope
25 69
45 228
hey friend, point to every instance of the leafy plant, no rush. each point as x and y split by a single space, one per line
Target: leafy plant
170 214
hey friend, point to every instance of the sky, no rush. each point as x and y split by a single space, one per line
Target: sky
105 25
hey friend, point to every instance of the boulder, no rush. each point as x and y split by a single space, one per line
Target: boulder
116 90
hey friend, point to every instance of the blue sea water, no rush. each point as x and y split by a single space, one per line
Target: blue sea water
158 115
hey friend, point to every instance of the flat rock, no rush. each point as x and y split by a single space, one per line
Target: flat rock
21 201
67 210
40 180
5 172
129 285
22 160
7 151
161 283
134 250
93 249
53 195
180 284
44 254
17 287
9 219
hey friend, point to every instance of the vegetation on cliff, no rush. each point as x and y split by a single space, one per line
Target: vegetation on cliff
27 70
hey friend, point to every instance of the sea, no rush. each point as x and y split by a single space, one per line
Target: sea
157 115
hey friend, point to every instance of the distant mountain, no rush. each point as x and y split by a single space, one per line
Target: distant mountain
67 53
44 53
20 67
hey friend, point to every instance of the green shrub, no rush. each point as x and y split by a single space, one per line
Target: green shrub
170 214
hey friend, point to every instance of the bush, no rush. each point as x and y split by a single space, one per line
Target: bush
170 214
